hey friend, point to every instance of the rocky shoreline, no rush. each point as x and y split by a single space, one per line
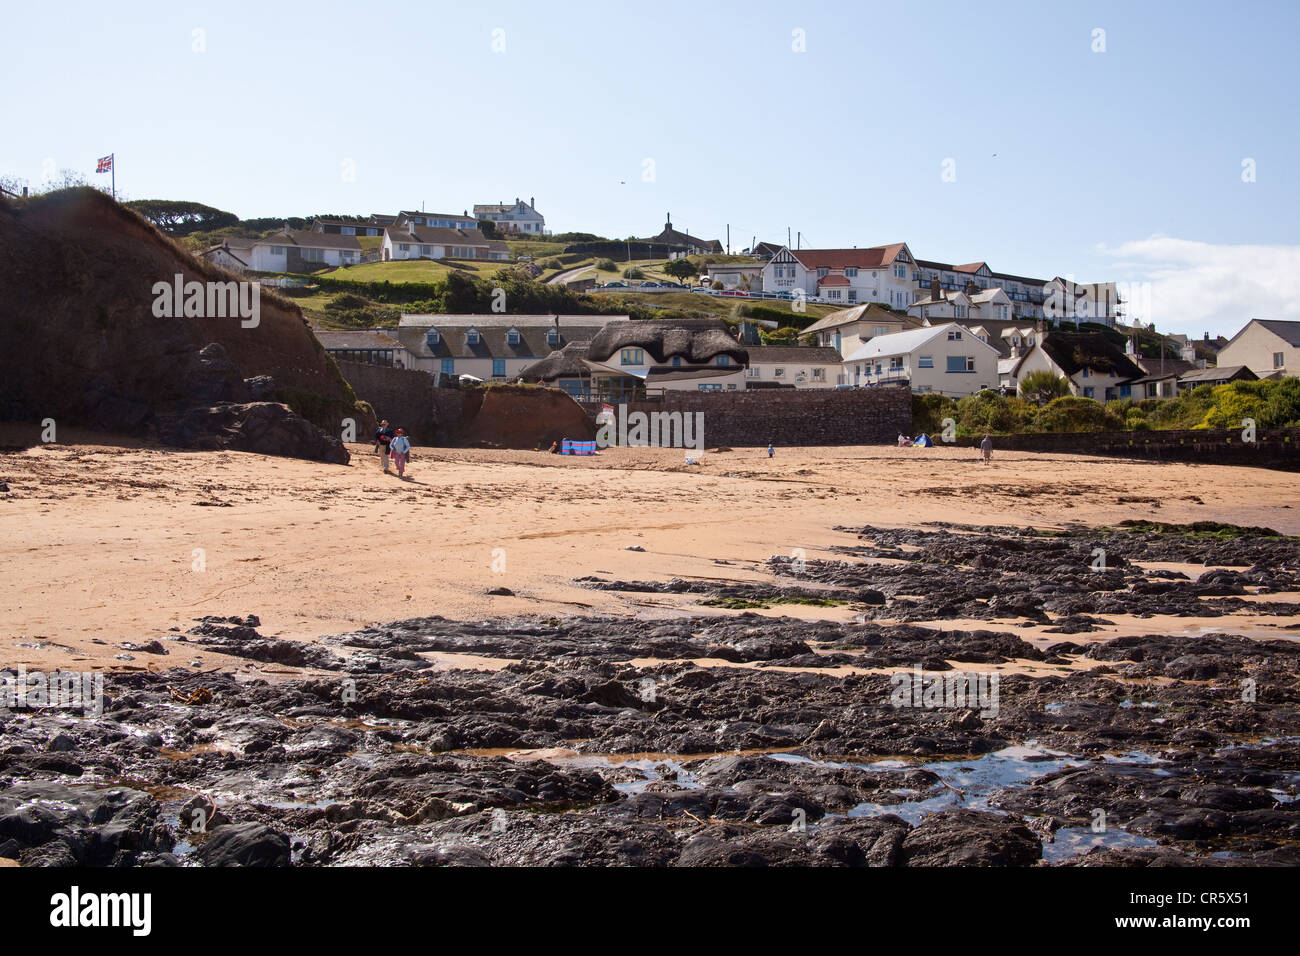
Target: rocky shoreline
702 740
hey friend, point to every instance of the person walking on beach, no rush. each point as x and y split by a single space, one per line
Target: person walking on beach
400 447
383 437
986 449
771 450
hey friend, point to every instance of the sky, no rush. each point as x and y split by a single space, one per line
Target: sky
1152 143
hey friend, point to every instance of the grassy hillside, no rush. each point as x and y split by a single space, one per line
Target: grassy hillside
415 270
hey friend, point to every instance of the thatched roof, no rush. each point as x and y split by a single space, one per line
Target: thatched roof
1074 350
696 341
563 363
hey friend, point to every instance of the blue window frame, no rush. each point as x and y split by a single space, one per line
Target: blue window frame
1088 392
724 359
449 366
925 361
498 366
1125 391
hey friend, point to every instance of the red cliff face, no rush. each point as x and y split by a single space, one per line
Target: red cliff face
81 340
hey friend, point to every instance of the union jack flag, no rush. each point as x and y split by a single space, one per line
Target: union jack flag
105 164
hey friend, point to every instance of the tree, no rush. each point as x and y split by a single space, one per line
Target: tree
180 218
1042 386
681 269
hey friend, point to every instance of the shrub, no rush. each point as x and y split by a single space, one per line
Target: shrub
552 264
1073 414
987 411
633 272
929 410
606 265
346 300
1232 404
1042 386
717 285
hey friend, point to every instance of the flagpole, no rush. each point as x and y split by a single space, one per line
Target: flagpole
112 163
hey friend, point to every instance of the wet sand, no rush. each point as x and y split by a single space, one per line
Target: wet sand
103 542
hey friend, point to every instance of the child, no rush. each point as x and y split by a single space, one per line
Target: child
400 449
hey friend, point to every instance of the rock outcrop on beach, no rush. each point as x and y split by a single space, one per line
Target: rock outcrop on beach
520 417
87 341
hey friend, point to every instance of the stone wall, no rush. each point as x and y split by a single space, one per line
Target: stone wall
406 397
812 416
1272 448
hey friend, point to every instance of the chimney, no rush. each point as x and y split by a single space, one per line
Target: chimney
532 203
286 228
934 287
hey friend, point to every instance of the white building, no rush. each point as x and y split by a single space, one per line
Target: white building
884 274
1093 365
798 365
492 346
948 359
521 217
849 329
411 241
296 250
1268 347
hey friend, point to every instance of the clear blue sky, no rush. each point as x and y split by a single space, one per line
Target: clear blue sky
1096 152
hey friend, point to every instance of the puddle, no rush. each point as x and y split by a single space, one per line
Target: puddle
1073 841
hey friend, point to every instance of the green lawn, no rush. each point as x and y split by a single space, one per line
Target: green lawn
414 270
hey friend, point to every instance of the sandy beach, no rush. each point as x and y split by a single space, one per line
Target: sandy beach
109 541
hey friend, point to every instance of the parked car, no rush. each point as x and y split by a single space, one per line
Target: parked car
615 285
735 292
703 288
651 285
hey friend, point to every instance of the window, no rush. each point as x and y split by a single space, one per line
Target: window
472 337
312 255
710 388
896 363
778 373
1086 373
432 337
552 336
631 357
970 363
425 250
449 366
879 330
677 360
513 337
925 361
724 360
277 250
851 272
403 247
960 312
853 295
498 367
819 374
961 363
1279 360
1125 391
900 271
954 335
1087 392
822 272
832 293
753 373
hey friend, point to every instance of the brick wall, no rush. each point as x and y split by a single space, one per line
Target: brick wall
822 416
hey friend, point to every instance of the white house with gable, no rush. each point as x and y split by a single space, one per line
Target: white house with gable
948 359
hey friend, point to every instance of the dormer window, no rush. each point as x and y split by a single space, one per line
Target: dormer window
513 337
432 337
677 360
724 360
472 337
552 336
